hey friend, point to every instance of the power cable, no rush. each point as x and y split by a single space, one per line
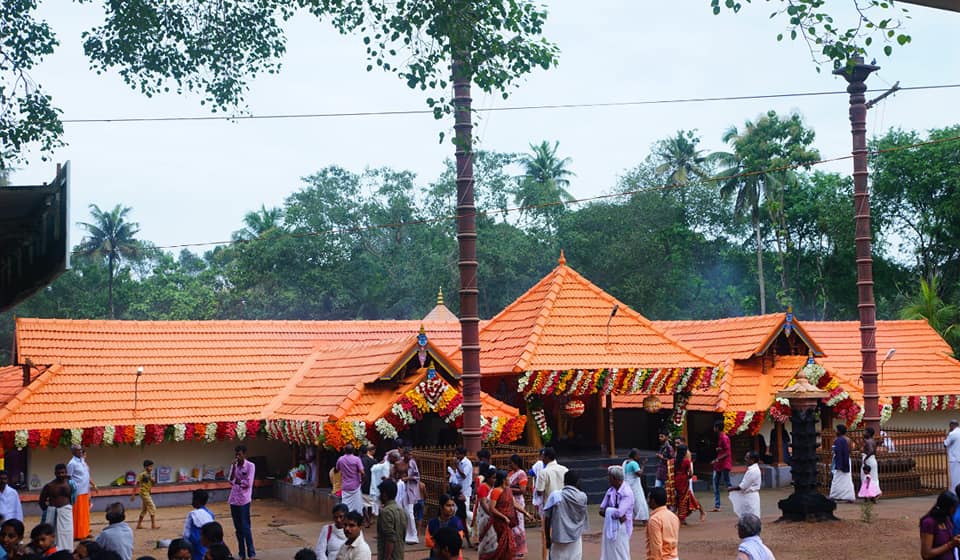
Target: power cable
451 217
393 113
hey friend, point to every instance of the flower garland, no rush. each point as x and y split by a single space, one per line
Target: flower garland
579 383
780 411
134 434
925 403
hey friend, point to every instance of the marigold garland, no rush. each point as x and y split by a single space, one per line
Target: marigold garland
604 381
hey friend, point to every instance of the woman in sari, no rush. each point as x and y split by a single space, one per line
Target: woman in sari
632 471
482 516
500 521
682 475
518 484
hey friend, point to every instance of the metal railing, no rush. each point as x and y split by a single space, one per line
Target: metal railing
910 461
433 463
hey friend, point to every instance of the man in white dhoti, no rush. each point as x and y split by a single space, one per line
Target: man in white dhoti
841 489
952 443
56 502
745 497
350 468
616 509
400 470
565 520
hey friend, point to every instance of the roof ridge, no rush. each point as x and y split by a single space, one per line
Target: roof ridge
557 278
12 405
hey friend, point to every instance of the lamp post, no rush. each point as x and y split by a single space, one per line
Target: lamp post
136 389
856 76
806 503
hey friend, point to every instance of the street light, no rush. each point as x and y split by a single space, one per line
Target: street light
889 355
136 387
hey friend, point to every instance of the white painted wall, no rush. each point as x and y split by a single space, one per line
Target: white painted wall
107 463
934 419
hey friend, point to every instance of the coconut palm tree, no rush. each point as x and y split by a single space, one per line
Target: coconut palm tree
928 305
110 236
542 189
748 189
260 222
681 161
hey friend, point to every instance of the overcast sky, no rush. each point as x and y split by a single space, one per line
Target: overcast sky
191 182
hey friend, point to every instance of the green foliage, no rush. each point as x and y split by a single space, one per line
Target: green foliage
829 41
541 192
215 49
110 237
929 306
27 115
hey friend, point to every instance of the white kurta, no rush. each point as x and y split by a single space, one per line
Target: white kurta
747 500
952 443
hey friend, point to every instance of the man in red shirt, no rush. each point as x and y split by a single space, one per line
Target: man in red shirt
721 464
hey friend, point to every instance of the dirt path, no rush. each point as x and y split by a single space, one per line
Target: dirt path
279 531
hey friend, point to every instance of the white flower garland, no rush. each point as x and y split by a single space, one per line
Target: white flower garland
886 412
20 439
360 432
747 418
814 372
211 433
139 431
385 429
241 429
179 432
842 395
923 403
524 381
904 403
109 431
76 436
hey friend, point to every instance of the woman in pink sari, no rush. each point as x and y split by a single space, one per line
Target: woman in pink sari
498 527
518 485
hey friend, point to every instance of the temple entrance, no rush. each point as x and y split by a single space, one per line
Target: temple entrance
431 431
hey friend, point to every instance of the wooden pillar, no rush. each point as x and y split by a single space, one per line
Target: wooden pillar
319 465
612 440
778 458
598 424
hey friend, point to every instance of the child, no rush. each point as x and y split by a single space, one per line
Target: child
11 533
42 538
211 534
869 489
218 552
86 550
196 519
447 518
456 491
143 487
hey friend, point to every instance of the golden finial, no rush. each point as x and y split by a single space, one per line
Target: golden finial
440 296
562 260
422 330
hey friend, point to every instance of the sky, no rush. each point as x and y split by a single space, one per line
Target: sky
192 182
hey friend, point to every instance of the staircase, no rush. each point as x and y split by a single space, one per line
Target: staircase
593 473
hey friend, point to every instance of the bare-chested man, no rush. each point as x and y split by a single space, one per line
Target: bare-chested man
56 503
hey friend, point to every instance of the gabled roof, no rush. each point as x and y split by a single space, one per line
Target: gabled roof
562 323
194 371
335 378
922 364
739 338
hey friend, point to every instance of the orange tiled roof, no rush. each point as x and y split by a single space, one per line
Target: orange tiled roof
333 382
194 371
440 312
561 323
739 338
921 366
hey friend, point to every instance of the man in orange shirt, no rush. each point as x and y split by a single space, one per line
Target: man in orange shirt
663 528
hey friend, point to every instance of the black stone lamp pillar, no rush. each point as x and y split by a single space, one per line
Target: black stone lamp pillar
806 503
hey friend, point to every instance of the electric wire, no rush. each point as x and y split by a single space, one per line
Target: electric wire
402 112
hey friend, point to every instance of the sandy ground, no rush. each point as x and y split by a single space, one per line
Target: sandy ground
279 531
